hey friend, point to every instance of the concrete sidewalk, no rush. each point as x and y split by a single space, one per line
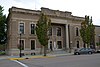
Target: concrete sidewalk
34 56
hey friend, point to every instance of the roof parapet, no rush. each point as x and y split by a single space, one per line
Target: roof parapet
48 11
15 9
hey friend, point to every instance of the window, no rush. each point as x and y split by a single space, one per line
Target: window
21 28
32 44
32 28
21 42
59 44
58 31
50 32
77 33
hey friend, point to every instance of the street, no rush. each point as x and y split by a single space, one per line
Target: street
9 63
61 61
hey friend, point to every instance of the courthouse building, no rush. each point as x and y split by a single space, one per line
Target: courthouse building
64 32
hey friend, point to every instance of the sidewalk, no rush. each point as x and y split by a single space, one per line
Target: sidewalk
34 56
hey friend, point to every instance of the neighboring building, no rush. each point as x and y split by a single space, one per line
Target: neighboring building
64 32
97 35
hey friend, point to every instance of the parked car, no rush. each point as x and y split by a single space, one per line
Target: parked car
98 51
84 51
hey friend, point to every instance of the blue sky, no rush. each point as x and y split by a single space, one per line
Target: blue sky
77 7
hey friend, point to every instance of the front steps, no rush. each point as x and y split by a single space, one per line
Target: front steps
57 52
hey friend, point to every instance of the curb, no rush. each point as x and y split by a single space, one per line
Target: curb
16 58
38 56
31 57
42 57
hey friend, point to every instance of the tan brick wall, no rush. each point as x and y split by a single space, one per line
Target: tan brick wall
59 19
97 34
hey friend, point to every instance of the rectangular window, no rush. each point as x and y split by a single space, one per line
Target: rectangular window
21 28
32 28
32 44
21 44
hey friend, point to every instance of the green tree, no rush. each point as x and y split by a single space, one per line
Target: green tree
42 29
92 34
2 26
87 31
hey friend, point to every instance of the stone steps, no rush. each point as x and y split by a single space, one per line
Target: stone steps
57 52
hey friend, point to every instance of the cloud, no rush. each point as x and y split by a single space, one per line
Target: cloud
77 7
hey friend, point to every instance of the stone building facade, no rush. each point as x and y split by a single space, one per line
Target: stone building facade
64 32
97 36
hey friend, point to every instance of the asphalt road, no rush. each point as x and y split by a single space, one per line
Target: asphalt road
62 61
65 61
9 63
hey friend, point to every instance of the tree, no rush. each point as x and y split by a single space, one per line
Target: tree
92 34
87 32
42 28
2 26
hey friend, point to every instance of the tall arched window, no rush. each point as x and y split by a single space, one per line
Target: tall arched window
21 28
58 31
77 32
32 44
32 28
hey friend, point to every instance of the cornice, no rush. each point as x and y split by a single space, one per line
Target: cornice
48 12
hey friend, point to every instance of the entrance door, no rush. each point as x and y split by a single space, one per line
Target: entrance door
77 44
59 44
51 48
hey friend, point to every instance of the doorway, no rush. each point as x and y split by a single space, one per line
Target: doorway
59 44
51 47
77 44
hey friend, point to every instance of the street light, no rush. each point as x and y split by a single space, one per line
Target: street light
20 45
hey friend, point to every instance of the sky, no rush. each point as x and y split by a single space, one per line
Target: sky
77 7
